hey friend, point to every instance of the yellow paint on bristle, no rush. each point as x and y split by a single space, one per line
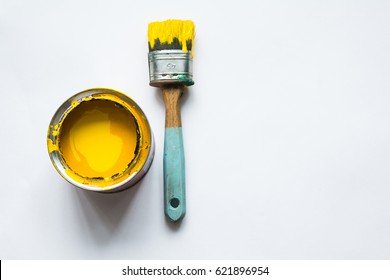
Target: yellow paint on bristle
165 31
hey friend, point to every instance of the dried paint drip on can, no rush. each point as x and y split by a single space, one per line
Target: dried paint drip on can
100 140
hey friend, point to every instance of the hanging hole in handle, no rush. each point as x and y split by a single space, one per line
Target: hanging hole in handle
174 202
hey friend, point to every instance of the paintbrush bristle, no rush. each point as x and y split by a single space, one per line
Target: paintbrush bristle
171 34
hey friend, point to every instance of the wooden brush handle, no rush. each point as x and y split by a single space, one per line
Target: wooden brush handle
174 166
171 97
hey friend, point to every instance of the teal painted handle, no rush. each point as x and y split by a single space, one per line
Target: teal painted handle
174 174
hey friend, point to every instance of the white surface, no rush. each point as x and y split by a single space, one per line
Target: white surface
286 130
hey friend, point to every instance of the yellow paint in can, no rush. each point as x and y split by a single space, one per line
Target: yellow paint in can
101 142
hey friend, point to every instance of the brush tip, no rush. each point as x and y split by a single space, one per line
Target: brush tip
171 34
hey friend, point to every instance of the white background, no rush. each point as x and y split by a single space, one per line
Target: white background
286 130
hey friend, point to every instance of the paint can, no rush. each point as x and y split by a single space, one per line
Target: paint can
100 140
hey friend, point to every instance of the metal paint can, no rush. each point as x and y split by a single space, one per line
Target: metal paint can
100 140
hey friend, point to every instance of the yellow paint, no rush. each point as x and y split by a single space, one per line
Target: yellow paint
98 139
165 31
55 130
101 140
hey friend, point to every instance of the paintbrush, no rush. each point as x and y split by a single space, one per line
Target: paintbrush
170 68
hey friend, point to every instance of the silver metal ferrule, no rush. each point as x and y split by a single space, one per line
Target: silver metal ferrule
170 67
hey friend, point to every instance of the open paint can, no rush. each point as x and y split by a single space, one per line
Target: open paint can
100 140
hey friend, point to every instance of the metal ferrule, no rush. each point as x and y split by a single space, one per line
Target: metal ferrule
170 67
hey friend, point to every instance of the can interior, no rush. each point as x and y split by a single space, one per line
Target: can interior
100 140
